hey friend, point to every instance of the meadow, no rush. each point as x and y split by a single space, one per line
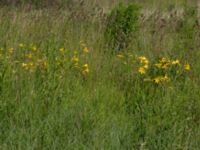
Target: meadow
63 85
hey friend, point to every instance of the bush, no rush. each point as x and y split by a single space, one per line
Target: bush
122 23
187 29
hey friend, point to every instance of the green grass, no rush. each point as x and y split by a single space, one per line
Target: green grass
110 108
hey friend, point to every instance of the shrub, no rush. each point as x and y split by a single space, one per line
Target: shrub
187 29
122 23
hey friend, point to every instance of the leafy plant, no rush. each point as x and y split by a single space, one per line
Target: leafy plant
187 29
121 25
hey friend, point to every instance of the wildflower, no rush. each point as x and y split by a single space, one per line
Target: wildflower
157 80
75 59
29 56
158 65
143 60
146 66
146 61
45 64
62 50
175 62
31 64
165 78
85 50
21 45
85 69
165 66
142 70
187 67
85 66
25 66
163 60
34 48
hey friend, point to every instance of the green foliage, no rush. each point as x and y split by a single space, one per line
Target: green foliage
122 24
187 29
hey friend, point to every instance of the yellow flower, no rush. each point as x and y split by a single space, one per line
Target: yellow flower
34 48
85 50
165 66
187 67
142 70
146 66
85 66
85 69
157 79
146 61
29 56
75 59
25 66
45 64
62 50
21 45
158 65
165 78
164 60
143 60
175 62
31 64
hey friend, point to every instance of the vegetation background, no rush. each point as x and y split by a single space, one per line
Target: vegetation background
109 108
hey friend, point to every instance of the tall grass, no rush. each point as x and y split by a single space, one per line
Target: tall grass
60 108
